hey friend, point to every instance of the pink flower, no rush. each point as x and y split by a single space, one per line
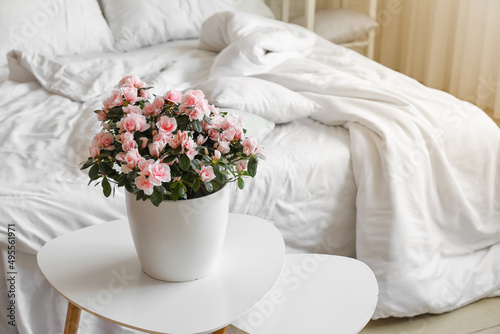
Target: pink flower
230 121
200 140
207 173
166 124
131 159
144 166
214 134
131 81
103 140
179 139
223 147
132 110
217 155
114 100
149 109
173 96
132 123
250 146
196 113
143 183
228 134
241 165
144 142
192 99
94 151
158 103
102 115
159 173
156 147
130 93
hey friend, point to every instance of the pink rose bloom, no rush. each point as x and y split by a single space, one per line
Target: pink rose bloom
127 145
158 103
156 147
131 159
144 142
214 110
173 96
132 110
241 165
228 134
214 134
200 140
159 173
179 139
132 123
114 100
131 81
191 99
102 115
145 94
250 146
166 124
223 147
207 173
191 153
163 137
144 184
149 109
103 140
144 166
196 113
94 151
231 121
130 93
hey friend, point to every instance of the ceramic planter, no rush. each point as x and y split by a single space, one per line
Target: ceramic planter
179 240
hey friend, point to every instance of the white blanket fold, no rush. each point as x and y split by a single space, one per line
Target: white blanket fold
425 163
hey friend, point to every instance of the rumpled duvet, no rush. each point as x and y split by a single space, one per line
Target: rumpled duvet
426 165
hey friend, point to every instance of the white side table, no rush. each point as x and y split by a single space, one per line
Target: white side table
97 270
315 294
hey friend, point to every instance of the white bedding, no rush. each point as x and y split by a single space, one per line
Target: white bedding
426 217
380 170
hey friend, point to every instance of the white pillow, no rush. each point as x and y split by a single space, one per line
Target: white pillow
260 97
57 27
141 23
256 126
340 25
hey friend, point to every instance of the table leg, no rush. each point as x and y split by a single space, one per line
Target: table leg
221 331
72 319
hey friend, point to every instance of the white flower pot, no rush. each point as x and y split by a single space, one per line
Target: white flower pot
179 240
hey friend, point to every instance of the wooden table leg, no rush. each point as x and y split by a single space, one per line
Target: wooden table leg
221 331
72 319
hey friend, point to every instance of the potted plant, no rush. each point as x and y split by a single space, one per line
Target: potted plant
173 153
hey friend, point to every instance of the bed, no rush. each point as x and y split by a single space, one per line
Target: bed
361 161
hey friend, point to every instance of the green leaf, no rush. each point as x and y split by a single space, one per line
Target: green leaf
196 125
168 159
161 190
252 167
94 172
215 185
106 187
208 186
196 185
156 197
87 164
184 162
182 190
241 183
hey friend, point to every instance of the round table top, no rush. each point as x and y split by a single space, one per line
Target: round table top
97 269
315 294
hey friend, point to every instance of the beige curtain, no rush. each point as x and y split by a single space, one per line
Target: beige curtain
452 45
